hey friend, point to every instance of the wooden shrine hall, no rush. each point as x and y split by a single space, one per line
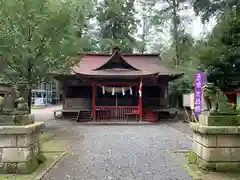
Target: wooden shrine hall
116 87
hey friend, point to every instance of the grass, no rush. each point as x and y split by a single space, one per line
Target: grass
44 137
182 157
37 107
53 150
198 174
50 144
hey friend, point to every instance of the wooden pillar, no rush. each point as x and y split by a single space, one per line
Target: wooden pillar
64 90
167 95
94 101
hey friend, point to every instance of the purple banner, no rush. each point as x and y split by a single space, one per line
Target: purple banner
199 80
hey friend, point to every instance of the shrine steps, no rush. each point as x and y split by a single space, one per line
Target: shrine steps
84 115
149 115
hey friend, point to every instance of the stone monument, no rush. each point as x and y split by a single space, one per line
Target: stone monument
19 134
216 138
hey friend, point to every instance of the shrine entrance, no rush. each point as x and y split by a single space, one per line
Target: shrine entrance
119 102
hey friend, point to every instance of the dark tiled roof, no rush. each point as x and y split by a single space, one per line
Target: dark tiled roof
146 64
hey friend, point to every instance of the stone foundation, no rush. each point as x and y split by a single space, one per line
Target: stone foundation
19 148
16 119
219 119
216 147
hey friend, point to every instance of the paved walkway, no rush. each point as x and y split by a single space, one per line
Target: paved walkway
117 152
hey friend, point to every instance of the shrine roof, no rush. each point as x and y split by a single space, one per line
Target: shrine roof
101 64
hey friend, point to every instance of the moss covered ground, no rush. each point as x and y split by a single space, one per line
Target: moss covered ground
188 160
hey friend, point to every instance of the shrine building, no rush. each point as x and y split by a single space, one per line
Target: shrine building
116 86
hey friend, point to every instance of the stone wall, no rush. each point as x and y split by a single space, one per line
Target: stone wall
216 147
19 148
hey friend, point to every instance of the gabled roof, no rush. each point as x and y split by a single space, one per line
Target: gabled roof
117 58
97 65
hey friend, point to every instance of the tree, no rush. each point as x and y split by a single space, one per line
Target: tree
208 8
87 30
145 22
170 10
186 43
222 44
117 24
37 37
219 49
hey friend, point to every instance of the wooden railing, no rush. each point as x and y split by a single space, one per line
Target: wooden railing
116 112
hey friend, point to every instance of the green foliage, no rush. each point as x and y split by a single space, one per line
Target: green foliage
222 44
170 12
186 51
37 38
192 157
208 9
117 24
219 49
146 22
187 65
87 31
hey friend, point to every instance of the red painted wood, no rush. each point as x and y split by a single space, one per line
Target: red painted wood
115 112
94 101
232 98
232 92
149 115
118 83
115 107
140 108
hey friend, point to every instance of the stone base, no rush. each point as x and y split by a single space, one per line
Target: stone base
24 119
17 119
19 168
208 119
213 166
216 147
20 148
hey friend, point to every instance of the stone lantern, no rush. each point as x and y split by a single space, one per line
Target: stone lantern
19 134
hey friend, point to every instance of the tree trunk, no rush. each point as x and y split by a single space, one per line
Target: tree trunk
29 99
175 31
29 89
143 34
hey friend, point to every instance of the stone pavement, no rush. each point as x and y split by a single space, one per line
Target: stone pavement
116 152
181 126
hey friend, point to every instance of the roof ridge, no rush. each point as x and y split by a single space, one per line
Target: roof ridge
111 59
123 54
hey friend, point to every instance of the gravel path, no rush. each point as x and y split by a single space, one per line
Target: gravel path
117 152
